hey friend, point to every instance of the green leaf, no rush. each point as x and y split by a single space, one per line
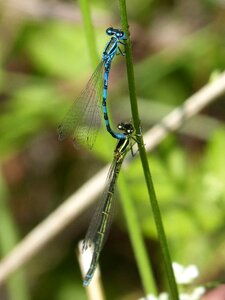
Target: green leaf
59 49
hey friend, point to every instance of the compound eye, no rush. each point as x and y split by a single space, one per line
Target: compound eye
130 129
120 126
122 34
109 31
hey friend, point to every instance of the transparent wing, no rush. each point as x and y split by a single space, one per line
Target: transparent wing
102 219
83 120
100 224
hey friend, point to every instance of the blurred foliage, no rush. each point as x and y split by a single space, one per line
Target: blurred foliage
44 64
188 191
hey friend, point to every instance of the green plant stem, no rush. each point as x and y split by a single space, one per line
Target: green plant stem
89 31
144 160
16 284
136 238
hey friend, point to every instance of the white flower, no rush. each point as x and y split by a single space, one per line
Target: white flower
183 296
149 297
185 275
162 296
198 293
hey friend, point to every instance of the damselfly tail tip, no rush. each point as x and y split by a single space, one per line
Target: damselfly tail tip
87 280
85 283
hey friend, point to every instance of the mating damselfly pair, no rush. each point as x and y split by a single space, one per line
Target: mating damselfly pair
82 122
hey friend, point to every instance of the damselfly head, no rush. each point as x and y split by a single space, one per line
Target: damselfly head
117 32
127 128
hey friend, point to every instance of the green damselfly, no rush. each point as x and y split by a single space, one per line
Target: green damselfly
102 218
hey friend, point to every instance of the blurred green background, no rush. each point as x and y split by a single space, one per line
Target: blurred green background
178 47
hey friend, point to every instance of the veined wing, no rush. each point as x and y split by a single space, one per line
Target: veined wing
100 223
83 120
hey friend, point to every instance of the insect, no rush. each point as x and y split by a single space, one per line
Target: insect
83 120
102 218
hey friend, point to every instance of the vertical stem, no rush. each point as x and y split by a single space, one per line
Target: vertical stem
136 238
90 36
16 284
89 31
144 160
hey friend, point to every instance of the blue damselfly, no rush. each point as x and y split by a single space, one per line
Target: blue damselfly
83 119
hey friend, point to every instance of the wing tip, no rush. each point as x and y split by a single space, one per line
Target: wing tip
61 134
